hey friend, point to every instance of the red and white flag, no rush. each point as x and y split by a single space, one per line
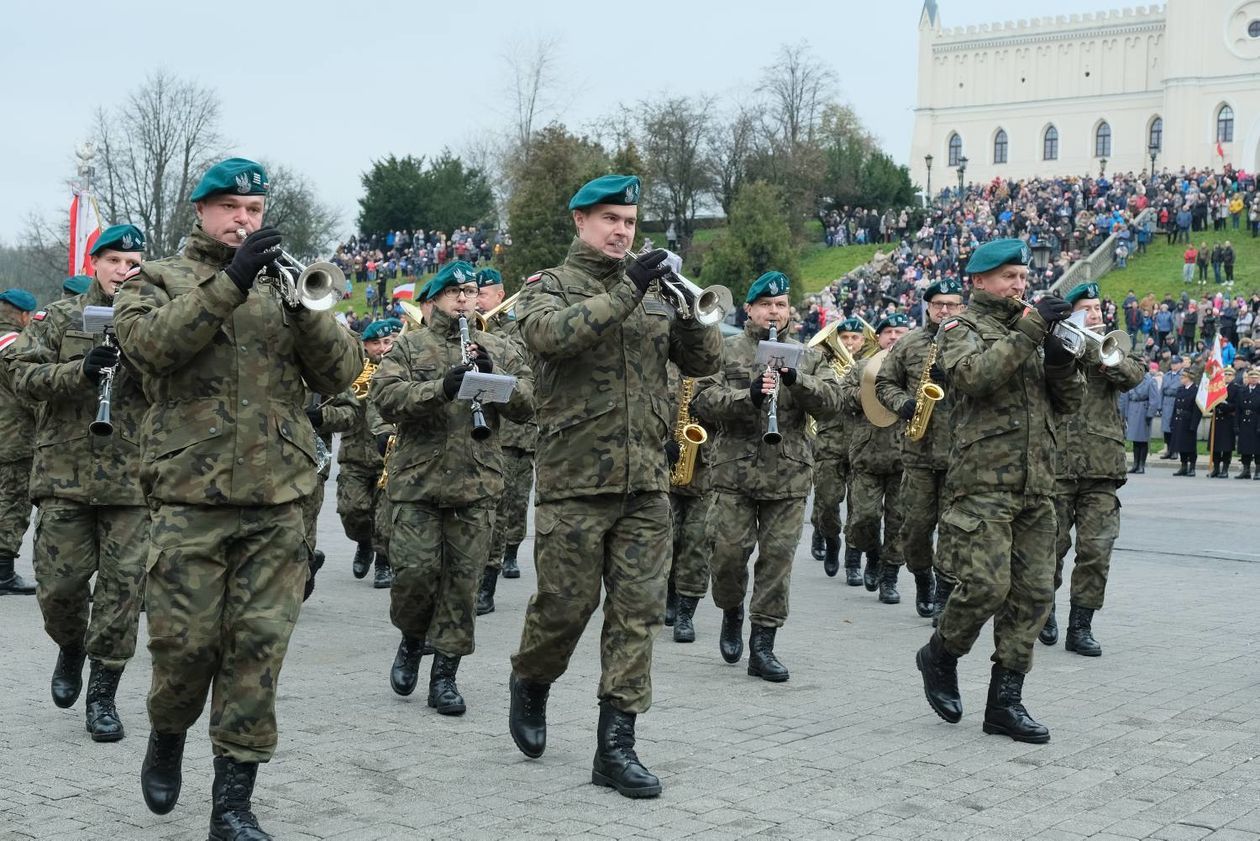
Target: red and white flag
1220 150
85 227
1213 387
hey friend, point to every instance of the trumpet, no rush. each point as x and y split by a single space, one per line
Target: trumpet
317 287
706 306
1077 339
481 429
870 340
505 305
772 435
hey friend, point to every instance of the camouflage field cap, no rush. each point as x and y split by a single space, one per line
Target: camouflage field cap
489 277
119 238
455 273
381 328
1083 290
769 285
19 298
607 189
76 285
944 286
238 176
895 319
849 325
999 252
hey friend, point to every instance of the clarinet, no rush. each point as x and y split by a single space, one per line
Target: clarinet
772 435
481 429
102 425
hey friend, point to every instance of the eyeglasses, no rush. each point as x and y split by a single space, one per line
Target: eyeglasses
453 292
933 305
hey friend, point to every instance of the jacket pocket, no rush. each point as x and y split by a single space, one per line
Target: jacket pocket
176 430
299 435
557 422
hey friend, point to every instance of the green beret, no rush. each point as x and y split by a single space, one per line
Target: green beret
489 277
945 286
894 320
455 273
119 238
850 325
770 284
76 285
381 328
238 176
1083 290
19 298
607 189
999 252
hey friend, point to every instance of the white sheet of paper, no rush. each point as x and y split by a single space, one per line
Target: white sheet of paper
486 388
96 319
779 354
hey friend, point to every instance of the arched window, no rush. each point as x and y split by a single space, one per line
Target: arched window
1102 140
1225 125
1050 144
1155 137
999 147
955 149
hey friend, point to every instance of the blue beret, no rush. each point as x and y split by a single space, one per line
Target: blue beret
19 298
76 285
607 189
945 286
850 325
381 328
1083 290
239 176
455 273
896 319
119 238
770 284
489 277
999 252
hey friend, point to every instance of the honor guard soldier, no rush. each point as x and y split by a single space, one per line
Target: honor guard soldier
601 512
875 481
17 418
1168 388
228 358
92 514
691 502
997 531
831 472
1223 434
1090 467
445 480
911 366
1246 400
1186 416
760 485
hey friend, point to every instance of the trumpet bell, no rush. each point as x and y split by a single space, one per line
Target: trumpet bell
321 286
713 305
1114 348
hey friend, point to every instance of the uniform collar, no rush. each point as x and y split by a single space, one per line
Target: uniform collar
1006 310
206 249
96 297
762 334
592 261
445 325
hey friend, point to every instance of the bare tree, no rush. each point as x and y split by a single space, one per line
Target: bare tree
730 145
797 86
533 79
675 133
309 226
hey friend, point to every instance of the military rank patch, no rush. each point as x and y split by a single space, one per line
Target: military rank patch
655 306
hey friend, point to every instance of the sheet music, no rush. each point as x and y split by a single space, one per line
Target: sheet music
487 388
96 319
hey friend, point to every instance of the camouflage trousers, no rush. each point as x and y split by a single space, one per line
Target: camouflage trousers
874 497
383 525
224 591
310 517
831 480
15 505
357 500
441 553
773 528
693 543
509 521
1001 548
73 542
1092 507
920 502
621 541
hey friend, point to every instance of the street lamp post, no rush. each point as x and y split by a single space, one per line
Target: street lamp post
962 168
927 159
1102 167
1154 150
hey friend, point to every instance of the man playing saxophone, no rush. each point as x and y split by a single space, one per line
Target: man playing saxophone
691 503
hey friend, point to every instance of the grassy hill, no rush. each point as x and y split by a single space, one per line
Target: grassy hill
1159 270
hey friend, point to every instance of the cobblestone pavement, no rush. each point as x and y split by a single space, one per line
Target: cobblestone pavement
1159 738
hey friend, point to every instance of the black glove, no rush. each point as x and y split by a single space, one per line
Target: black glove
787 376
258 249
1056 353
907 411
315 415
1052 308
938 374
382 442
98 358
482 360
453 380
755 391
646 268
673 452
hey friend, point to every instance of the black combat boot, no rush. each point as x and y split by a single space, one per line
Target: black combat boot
1246 469
940 679
231 818
1225 462
944 586
870 575
831 556
510 568
761 660
314 563
103 723
485 593
817 546
406 669
362 559
1216 469
1050 631
1004 713
443 693
731 640
853 567
12 584
684 626
1184 470
671 605
527 718
67 676
1191 468
383 578
616 764
888 583
1080 634
924 592
160 775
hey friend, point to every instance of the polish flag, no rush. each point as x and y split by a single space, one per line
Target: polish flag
1220 150
1213 387
85 228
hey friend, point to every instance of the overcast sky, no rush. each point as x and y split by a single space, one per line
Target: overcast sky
326 86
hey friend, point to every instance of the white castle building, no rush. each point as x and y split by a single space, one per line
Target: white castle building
1073 94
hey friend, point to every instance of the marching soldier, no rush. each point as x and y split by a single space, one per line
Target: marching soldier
601 342
831 472
1185 422
17 418
1246 400
998 526
229 457
923 461
92 514
875 483
760 487
444 486
691 504
1090 467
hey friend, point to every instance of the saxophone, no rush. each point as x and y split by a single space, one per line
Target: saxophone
389 449
926 396
363 383
689 436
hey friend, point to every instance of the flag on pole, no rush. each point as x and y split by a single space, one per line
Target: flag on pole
1220 150
1213 387
85 227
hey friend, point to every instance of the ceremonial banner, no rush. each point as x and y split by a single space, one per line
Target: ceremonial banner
1213 387
85 227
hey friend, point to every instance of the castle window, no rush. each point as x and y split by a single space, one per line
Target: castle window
955 149
1102 140
1050 145
1253 29
999 147
1155 137
1225 125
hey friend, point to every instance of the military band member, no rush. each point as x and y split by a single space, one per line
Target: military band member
832 471
1246 400
1186 416
691 506
92 518
229 455
759 487
17 418
444 485
602 508
998 526
923 462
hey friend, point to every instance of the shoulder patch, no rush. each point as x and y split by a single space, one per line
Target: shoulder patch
7 339
534 278
951 324
41 315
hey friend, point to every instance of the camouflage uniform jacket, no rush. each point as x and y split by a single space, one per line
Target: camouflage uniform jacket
358 421
601 389
17 415
435 459
898 383
741 463
1005 399
872 449
523 436
1091 442
227 374
832 437
71 463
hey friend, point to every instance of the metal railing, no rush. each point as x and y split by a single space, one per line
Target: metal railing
1102 259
